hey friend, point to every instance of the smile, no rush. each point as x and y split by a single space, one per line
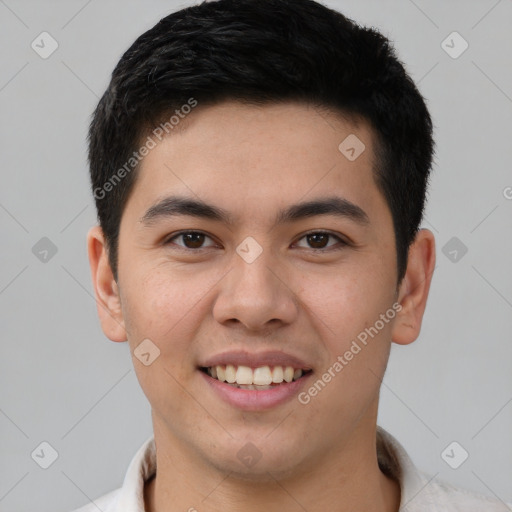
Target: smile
261 378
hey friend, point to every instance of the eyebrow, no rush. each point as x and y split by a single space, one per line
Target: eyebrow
175 206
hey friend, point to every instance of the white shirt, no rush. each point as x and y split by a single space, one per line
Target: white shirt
420 493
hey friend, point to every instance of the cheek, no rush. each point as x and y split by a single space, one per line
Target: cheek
345 302
168 308
161 307
157 299
347 313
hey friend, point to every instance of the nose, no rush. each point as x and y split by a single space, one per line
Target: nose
257 295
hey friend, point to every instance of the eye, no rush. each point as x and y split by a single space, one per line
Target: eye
319 240
191 239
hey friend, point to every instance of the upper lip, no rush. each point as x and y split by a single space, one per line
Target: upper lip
256 360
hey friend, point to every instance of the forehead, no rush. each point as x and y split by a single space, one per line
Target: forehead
238 154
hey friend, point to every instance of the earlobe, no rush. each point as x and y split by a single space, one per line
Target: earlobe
414 289
105 287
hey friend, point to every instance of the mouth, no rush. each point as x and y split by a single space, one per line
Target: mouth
260 378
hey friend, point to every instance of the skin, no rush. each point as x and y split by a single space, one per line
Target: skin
254 161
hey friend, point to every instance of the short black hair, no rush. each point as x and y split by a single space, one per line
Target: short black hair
261 52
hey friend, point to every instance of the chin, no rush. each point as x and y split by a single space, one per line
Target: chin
248 463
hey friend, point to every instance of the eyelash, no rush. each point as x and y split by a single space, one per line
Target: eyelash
342 243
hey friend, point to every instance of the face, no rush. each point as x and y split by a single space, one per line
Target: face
287 262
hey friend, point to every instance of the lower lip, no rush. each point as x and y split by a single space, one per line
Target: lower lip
254 400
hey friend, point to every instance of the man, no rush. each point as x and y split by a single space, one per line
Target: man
259 170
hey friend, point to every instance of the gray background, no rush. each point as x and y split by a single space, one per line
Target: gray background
63 382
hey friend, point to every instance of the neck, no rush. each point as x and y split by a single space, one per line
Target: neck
346 479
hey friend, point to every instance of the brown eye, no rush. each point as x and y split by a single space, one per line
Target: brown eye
190 239
320 240
193 240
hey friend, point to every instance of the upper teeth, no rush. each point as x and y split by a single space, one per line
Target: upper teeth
262 376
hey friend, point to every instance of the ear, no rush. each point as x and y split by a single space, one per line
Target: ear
105 287
414 288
